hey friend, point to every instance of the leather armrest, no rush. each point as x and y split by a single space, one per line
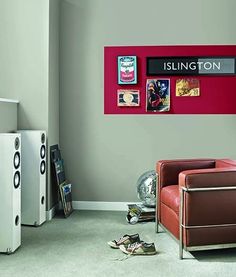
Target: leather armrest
209 207
205 178
168 170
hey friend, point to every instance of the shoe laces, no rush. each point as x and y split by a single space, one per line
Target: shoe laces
122 239
134 246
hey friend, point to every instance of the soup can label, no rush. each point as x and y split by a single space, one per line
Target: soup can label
127 70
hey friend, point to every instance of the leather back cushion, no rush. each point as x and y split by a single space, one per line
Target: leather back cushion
225 163
169 172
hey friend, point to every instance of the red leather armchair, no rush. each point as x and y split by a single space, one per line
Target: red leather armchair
196 202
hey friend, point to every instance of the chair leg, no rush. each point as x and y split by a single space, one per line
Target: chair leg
180 224
157 226
156 221
180 250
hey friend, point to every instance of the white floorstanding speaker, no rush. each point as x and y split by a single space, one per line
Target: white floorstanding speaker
33 177
10 194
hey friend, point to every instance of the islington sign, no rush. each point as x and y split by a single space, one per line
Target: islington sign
191 66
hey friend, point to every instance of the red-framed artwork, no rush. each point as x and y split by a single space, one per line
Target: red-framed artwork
217 92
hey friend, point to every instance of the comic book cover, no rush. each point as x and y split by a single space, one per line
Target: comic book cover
128 98
158 95
187 87
66 198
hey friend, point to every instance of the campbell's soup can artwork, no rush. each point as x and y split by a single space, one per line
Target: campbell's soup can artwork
127 70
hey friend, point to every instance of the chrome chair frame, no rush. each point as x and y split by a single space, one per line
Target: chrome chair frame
183 191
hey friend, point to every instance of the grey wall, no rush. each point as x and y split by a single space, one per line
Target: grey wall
24 59
105 155
26 71
53 96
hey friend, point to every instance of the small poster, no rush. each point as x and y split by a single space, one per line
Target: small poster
127 70
187 87
128 98
158 95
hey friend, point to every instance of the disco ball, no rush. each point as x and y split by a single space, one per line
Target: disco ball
146 188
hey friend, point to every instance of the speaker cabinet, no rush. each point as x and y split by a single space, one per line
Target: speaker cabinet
10 194
33 171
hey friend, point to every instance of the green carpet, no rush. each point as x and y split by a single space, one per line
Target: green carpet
77 246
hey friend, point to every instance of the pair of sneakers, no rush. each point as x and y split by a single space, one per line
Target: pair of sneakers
132 245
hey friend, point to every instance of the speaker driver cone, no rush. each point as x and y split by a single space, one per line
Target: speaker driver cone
42 151
16 179
17 220
16 160
43 138
42 200
17 143
42 167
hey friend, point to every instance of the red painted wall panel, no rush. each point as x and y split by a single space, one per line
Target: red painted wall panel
217 93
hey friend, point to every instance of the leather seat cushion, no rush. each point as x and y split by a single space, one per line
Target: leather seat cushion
170 196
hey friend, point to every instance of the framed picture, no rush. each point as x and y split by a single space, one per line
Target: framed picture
187 87
158 95
128 98
127 70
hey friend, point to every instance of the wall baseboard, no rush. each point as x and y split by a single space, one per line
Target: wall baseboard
51 213
101 206
91 206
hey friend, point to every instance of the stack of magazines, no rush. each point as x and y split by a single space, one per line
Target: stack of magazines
140 213
63 185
